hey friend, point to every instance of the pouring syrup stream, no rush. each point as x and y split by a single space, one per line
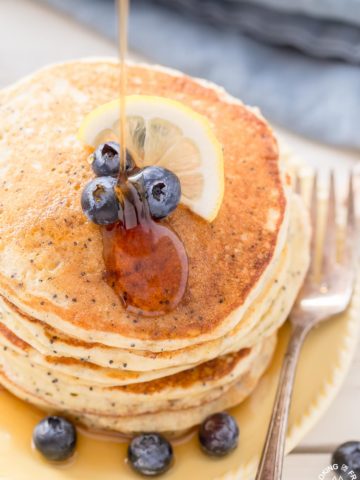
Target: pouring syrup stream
123 13
146 262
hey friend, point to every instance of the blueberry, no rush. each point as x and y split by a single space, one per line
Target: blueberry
219 434
106 160
55 438
99 201
348 454
150 454
162 190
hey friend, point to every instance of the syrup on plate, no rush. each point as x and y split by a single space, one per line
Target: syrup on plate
146 262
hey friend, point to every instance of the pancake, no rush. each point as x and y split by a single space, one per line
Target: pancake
261 319
66 342
107 404
183 390
107 407
51 263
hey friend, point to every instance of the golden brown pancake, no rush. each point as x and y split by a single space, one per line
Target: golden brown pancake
187 388
119 408
207 371
66 342
51 263
262 318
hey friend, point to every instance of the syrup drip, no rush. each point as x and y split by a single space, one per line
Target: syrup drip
123 14
146 262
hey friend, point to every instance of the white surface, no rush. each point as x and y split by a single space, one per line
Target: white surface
32 36
306 466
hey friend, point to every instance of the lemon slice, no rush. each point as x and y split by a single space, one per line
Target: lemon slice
166 133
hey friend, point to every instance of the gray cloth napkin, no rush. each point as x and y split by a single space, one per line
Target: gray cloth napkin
313 35
342 10
302 71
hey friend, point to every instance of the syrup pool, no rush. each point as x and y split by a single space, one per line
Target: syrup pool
146 262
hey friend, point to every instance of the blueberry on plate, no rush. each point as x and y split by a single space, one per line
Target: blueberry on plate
106 160
55 438
162 190
219 434
348 454
99 201
150 454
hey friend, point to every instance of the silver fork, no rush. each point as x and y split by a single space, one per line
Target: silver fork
326 292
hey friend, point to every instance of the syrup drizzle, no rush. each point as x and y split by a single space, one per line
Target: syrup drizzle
123 13
146 262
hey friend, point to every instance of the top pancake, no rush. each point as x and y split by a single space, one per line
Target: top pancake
51 263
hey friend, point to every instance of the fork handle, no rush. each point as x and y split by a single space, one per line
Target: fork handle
271 463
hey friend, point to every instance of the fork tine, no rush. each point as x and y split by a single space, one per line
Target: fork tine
351 202
329 244
351 228
313 219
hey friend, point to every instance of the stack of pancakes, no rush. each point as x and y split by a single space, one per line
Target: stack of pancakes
66 342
